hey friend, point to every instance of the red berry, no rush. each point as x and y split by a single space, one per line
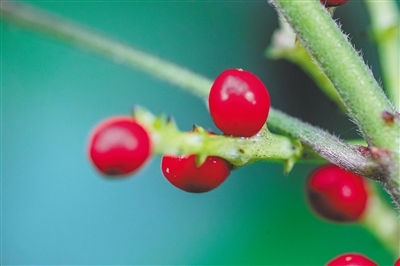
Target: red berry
119 146
397 263
351 259
239 103
336 194
182 172
330 3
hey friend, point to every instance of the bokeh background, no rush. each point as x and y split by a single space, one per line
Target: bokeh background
56 209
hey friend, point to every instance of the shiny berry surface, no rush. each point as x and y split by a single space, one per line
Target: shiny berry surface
330 3
119 146
351 259
239 103
337 195
182 172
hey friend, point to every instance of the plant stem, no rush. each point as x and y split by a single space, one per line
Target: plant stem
359 91
167 139
355 83
322 142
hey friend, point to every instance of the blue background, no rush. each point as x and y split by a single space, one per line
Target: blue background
56 209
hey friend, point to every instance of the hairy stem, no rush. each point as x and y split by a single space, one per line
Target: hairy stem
355 83
325 144
365 100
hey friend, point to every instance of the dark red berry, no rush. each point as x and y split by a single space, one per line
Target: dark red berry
397 263
239 103
336 194
330 3
119 146
351 259
182 172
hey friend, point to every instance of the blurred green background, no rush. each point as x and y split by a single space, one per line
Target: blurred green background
56 209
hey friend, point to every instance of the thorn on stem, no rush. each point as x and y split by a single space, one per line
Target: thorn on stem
389 118
365 151
169 119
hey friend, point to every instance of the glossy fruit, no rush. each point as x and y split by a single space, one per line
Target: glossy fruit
351 259
239 103
336 194
330 3
397 263
182 172
119 146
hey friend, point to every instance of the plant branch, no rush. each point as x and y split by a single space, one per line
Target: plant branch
60 28
355 83
76 34
366 102
328 146
167 139
322 142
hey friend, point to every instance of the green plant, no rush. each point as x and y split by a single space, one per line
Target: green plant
339 70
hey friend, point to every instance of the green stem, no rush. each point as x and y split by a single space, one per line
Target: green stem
343 154
355 83
167 139
359 91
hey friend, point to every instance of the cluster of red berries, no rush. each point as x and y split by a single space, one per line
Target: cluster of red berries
239 105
